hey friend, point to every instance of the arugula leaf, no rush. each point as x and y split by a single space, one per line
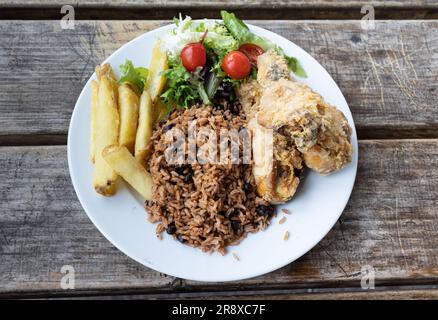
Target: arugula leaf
136 76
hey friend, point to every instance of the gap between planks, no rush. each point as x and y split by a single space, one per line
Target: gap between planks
362 134
420 291
265 12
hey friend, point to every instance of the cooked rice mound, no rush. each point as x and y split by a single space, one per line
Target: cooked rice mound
209 206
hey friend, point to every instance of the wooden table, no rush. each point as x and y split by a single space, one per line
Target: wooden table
388 75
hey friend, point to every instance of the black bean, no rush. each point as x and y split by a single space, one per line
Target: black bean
263 210
247 187
180 238
218 107
168 127
171 229
235 225
222 213
234 108
180 168
188 177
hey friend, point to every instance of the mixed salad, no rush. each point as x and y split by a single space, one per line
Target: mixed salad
207 60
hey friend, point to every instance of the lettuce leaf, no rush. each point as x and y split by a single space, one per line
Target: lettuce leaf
241 33
136 76
181 89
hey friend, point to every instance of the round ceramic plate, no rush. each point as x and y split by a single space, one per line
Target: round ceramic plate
123 220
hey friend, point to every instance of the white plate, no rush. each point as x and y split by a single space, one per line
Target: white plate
122 219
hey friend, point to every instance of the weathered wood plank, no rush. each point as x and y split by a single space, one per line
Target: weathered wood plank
221 3
252 9
390 224
387 75
388 293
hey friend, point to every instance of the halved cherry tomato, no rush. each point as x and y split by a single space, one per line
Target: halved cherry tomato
252 51
236 65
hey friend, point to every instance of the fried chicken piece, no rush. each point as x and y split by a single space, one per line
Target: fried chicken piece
277 164
320 131
271 67
249 96
291 125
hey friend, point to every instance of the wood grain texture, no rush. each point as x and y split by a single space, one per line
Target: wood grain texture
219 3
383 293
248 9
390 223
387 75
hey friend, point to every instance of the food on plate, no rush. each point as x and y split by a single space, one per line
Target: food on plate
319 130
236 64
156 80
213 87
305 128
128 110
194 55
114 117
106 130
94 96
209 206
144 130
120 159
136 77
277 166
252 51
159 109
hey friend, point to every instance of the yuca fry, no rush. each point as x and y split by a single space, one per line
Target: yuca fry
156 79
105 70
128 111
121 160
107 133
94 96
144 129
159 109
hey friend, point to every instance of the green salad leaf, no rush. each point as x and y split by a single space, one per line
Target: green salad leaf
238 29
136 76
241 33
181 91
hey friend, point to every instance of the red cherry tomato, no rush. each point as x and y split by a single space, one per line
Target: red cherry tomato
236 65
193 56
252 51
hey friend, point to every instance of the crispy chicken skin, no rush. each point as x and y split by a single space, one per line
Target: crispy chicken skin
249 96
277 164
305 128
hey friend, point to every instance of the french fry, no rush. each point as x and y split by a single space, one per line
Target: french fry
159 109
128 111
121 161
144 129
105 70
156 79
107 132
94 96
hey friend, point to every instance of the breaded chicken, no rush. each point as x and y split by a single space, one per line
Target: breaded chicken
277 164
249 96
304 128
271 67
320 131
